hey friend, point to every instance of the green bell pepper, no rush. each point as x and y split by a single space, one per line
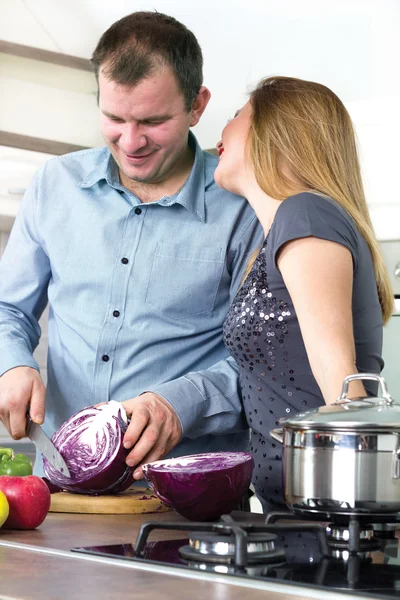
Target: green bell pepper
14 464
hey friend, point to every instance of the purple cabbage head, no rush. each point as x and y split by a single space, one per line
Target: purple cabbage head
91 444
202 487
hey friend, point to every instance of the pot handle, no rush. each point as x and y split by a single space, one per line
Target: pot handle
396 461
371 377
277 434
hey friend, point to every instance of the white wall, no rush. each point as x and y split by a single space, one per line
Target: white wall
352 46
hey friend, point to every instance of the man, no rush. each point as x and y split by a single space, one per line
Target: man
139 254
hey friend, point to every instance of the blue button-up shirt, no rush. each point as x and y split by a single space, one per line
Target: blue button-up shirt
137 292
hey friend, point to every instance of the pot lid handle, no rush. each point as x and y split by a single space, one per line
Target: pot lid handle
372 377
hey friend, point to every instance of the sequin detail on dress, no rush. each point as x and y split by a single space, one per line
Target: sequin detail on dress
257 313
257 333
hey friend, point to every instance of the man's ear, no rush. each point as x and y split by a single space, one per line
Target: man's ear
199 105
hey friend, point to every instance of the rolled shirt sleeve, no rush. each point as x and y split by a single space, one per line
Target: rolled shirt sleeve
24 275
207 401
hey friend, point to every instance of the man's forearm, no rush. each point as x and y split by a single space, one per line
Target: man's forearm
208 401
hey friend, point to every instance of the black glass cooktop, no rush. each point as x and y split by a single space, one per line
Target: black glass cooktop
297 557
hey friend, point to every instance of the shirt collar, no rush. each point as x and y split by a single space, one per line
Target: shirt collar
101 170
191 196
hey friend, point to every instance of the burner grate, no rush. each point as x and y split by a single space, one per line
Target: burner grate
239 532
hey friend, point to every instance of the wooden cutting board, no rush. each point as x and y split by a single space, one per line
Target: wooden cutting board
135 500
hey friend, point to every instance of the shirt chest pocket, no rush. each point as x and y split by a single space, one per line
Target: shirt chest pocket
184 280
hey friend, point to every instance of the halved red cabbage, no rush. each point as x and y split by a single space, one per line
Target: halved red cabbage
91 444
202 487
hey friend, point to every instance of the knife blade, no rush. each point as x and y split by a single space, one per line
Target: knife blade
46 446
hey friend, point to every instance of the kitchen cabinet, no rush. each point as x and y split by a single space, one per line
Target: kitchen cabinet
390 249
391 355
17 167
42 99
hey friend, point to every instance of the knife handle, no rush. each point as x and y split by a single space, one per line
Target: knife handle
29 420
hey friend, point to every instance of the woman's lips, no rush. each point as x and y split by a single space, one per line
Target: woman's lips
220 151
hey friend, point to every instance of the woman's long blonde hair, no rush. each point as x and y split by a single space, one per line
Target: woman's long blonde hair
307 125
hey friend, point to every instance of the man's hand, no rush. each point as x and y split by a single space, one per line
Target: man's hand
153 431
19 388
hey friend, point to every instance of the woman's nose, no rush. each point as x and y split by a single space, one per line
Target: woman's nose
219 145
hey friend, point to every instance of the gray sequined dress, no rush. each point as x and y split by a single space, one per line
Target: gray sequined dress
262 331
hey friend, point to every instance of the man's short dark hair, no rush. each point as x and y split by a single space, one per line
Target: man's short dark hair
139 44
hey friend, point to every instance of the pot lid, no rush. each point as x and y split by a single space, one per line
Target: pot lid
372 413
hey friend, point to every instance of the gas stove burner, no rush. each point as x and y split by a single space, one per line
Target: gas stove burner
385 531
339 538
340 535
206 547
257 570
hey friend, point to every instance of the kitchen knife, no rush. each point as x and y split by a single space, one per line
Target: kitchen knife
46 446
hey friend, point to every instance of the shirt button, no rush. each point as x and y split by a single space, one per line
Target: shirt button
105 358
124 261
116 313
138 211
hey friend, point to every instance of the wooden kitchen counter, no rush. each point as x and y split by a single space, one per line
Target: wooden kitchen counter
39 565
62 531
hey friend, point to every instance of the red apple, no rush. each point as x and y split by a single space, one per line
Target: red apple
29 500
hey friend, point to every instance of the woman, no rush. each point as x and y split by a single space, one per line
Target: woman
311 308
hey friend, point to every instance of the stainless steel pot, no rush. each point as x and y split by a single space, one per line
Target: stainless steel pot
344 458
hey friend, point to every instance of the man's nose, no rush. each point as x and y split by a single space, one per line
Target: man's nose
133 139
